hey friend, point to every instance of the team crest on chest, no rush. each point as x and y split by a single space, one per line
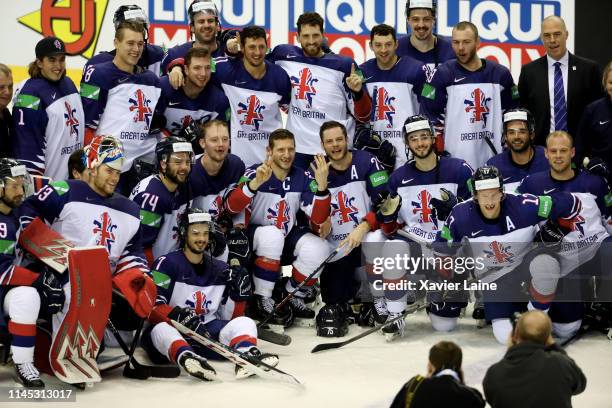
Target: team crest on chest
478 107
422 208
251 112
499 253
383 107
304 86
141 106
71 121
198 302
104 229
279 215
344 210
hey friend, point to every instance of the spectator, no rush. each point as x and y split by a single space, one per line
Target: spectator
535 372
443 386
6 120
558 86
594 137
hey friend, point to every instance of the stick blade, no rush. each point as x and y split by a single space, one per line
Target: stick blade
326 346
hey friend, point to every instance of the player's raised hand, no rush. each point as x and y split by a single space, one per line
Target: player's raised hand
321 170
262 174
233 44
176 77
355 80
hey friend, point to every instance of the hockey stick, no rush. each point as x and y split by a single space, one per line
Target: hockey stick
273 337
290 295
490 144
134 369
251 363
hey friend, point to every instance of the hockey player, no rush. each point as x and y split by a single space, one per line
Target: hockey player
466 98
23 293
581 252
429 186
193 289
164 196
92 214
498 230
152 54
77 168
522 156
197 101
274 191
121 100
393 84
325 86
48 114
422 44
256 90
355 179
205 26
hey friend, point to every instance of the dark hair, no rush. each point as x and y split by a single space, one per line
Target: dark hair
75 162
253 32
34 70
331 124
446 355
215 122
384 30
196 52
465 25
309 19
280 134
132 25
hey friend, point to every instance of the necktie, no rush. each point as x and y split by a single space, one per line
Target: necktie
560 105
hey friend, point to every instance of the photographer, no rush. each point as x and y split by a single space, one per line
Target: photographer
535 372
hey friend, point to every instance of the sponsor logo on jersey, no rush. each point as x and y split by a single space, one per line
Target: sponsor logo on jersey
251 109
279 215
499 253
478 107
304 86
343 210
422 206
383 108
105 231
71 121
198 302
141 106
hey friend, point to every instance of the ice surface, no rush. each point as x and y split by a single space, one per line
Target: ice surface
366 373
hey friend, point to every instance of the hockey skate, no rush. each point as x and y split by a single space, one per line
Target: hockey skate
380 311
394 330
267 358
478 314
28 375
197 366
304 316
263 306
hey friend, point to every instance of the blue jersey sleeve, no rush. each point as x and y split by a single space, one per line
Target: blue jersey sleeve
30 123
164 276
377 179
94 96
464 185
46 204
509 94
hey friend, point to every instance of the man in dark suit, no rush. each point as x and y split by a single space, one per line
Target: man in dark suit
6 120
558 86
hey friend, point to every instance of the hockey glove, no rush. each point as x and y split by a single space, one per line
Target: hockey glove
596 166
550 235
442 206
51 292
238 246
191 132
217 242
239 282
185 316
138 289
389 208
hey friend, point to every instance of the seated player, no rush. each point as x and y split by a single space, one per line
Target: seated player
24 294
194 289
274 191
499 229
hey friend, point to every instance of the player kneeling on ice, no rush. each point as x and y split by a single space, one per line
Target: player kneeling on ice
24 294
496 231
274 191
197 290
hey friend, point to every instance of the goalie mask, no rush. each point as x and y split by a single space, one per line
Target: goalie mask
104 150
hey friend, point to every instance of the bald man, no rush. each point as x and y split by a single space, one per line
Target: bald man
559 85
535 372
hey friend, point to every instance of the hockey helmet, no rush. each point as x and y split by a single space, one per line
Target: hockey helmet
172 144
417 122
416 4
487 177
104 150
202 6
130 12
10 168
191 216
517 114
